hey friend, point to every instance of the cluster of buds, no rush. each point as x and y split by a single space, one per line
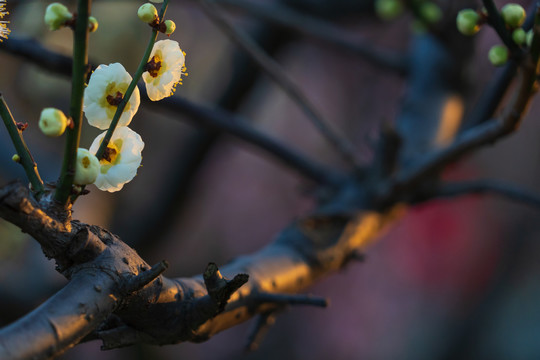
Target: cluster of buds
149 14
427 12
58 16
469 22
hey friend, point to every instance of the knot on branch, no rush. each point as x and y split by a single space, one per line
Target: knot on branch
84 247
146 277
219 288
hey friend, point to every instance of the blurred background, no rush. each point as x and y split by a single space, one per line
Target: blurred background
454 279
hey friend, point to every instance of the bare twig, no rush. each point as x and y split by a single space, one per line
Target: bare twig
26 159
321 30
275 72
509 191
288 299
234 125
262 325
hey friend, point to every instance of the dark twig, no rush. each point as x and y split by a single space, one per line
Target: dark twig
323 31
509 191
146 277
33 51
262 325
224 121
288 299
276 73
26 159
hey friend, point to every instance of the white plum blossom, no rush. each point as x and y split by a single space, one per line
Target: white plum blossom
104 92
164 69
121 160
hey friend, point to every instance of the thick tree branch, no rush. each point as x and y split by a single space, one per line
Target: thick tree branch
169 311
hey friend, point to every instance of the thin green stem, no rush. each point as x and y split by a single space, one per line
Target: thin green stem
73 133
132 85
26 159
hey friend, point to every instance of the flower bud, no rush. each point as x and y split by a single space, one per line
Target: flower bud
430 12
467 22
519 36
56 16
52 122
498 55
16 158
87 168
513 15
388 9
147 13
92 24
170 27
529 38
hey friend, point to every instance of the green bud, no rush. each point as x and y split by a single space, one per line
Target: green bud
513 15
430 12
87 167
16 158
388 9
148 13
519 36
529 38
498 55
467 22
170 26
52 122
56 16
92 24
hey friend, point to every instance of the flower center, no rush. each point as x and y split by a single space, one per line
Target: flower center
116 99
113 95
153 66
111 155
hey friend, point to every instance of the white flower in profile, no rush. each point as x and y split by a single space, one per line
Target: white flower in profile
104 92
164 69
121 160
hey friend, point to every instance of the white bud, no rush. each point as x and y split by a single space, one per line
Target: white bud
56 16
52 122
87 168
147 13
170 27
